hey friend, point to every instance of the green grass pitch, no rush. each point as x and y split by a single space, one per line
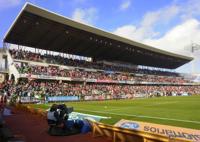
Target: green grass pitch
176 111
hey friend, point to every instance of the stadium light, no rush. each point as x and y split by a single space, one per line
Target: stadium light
193 48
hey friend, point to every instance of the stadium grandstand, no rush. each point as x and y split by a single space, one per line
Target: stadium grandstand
50 58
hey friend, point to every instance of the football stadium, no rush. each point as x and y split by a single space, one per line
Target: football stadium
67 81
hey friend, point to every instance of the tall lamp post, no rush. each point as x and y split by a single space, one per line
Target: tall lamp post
194 48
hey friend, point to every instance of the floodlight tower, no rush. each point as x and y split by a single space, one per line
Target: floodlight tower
194 48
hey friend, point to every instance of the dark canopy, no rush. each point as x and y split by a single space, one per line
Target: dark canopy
39 28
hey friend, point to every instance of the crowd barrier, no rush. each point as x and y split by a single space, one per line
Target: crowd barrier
116 134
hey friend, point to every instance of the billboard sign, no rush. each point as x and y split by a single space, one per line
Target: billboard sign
169 131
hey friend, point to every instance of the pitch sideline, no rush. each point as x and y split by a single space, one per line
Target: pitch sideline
117 108
143 116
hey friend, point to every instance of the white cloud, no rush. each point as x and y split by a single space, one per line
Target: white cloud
146 27
153 19
87 16
179 36
125 5
163 16
9 3
189 9
127 31
175 39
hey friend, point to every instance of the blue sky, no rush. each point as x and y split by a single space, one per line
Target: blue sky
166 24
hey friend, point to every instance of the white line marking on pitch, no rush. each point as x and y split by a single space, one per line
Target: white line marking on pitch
161 103
143 116
156 104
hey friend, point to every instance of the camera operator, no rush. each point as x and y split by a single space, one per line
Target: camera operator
53 115
58 115
63 112
63 115
57 118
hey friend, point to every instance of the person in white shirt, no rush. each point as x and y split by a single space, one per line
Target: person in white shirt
52 115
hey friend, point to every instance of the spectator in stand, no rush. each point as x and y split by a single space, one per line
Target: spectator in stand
100 75
27 55
95 90
54 88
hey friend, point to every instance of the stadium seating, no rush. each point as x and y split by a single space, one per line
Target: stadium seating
56 59
93 91
99 75
107 73
44 76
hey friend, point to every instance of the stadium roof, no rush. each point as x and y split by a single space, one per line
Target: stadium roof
40 28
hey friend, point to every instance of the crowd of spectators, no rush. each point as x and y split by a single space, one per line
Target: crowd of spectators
99 75
58 59
33 88
128 90
40 89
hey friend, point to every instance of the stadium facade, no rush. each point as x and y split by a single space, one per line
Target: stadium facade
50 58
112 73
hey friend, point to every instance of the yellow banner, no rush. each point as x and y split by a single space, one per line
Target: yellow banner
169 131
